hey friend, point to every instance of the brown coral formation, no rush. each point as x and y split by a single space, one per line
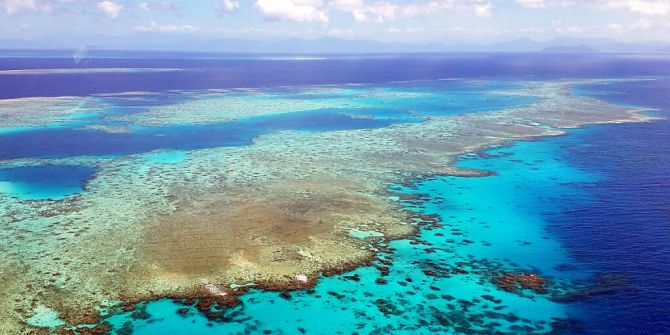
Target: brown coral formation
513 282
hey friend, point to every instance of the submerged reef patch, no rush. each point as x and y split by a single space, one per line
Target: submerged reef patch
29 113
275 214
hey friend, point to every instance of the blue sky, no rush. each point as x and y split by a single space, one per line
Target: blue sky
413 21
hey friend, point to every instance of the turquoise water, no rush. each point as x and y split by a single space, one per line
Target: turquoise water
440 284
45 181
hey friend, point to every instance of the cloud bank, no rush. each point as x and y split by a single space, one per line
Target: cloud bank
111 9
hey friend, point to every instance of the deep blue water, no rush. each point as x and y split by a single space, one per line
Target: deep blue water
626 229
223 72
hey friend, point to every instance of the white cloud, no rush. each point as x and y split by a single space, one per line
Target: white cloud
111 9
156 6
230 5
483 9
436 7
384 11
294 10
13 7
167 28
380 11
543 4
534 4
644 7
359 16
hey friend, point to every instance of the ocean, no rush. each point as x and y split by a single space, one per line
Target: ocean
588 210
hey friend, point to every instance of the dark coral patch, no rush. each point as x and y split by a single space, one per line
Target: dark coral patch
513 282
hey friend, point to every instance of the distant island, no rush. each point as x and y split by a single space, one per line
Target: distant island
325 45
571 49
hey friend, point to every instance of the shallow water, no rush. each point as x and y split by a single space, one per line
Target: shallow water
490 224
44 182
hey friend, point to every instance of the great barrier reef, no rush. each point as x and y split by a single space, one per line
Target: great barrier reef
518 201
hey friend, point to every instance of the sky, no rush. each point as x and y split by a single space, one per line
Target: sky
407 21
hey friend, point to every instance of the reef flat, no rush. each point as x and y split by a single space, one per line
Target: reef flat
274 214
354 100
42 111
82 71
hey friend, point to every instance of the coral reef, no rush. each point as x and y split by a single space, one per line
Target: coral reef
275 214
